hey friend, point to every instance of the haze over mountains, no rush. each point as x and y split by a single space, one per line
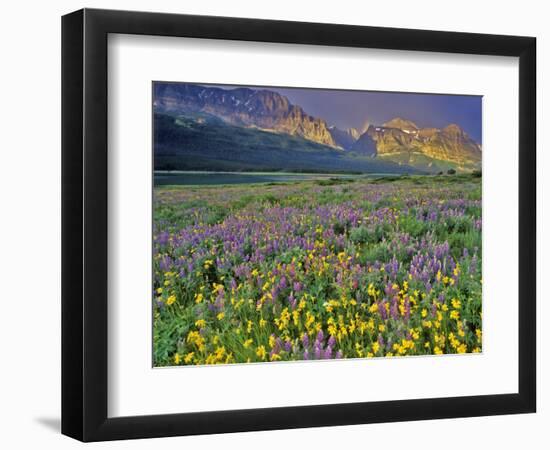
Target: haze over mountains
211 128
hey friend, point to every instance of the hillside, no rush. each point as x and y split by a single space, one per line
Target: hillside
204 142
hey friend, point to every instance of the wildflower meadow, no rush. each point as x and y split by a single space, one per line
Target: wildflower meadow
317 270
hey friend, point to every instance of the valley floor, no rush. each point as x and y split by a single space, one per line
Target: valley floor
317 269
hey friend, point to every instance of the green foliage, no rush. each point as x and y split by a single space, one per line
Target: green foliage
360 235
412 226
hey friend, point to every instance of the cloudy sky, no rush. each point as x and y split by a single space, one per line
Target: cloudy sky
357 108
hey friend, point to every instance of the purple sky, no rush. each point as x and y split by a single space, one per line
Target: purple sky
356 108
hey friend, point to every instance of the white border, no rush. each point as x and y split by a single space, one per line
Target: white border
135 388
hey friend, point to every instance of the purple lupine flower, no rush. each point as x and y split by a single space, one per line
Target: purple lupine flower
163 238
320 336
407 314
382 310
317 352
278 345
394 311
165 263
292 301
292 272
473 264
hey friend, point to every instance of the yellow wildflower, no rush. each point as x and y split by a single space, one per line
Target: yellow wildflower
478 334
260 352
220 352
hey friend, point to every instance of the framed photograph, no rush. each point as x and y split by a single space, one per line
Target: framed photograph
273 225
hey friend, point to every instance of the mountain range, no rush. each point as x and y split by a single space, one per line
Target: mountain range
245 107
203 127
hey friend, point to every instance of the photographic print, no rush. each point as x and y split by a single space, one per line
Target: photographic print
294 224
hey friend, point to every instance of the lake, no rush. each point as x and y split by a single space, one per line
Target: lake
217 178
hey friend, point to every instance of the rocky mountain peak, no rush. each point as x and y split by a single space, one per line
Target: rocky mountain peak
344 138
354 133
454 130
401 124
400 139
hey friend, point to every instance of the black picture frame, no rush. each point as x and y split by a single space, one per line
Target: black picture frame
84 224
